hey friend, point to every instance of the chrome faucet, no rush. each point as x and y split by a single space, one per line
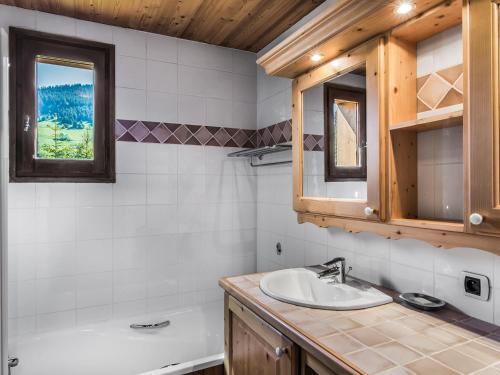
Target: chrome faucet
334 267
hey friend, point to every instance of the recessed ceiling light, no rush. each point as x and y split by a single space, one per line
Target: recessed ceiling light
404 7
316 57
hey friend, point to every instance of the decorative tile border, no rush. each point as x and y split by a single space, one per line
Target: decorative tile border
159 132
440 89
275 134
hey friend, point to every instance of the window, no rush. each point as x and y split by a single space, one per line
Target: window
345 133
62 108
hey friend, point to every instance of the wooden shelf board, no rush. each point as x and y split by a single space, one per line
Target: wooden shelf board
434 21
441 121
451 226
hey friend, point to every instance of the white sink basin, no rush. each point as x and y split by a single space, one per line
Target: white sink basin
300 286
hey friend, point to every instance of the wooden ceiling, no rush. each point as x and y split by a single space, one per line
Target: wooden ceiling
243 24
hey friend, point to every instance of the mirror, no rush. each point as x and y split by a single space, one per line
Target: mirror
335 148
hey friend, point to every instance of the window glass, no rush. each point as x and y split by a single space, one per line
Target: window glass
65 109
345 126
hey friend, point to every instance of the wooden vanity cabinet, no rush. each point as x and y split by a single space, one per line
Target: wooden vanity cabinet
254 347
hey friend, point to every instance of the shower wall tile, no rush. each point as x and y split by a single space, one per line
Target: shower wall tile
124 244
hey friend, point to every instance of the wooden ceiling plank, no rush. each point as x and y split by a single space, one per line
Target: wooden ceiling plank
232 23
233 17
268 11
162 16
260 40
185 13
207 17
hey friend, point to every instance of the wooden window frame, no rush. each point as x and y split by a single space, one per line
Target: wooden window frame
24 46
333 173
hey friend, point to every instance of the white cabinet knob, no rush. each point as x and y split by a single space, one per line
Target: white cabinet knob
475 218
369 211
280 351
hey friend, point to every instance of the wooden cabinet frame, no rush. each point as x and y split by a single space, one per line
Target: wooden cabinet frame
371 53
483 150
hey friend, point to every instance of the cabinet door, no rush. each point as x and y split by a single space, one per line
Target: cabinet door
253 346
481 44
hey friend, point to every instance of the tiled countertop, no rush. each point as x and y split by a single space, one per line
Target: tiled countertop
391 339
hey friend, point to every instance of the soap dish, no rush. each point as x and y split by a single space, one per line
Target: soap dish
422 301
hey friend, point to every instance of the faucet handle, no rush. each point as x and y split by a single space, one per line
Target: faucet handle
334 260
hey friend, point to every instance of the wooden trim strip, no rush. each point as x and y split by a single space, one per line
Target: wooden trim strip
339 28
444 238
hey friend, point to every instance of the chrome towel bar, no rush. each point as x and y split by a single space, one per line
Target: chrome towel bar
150 326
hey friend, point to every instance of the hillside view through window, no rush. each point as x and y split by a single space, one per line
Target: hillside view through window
65 109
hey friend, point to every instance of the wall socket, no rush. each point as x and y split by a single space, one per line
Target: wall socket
475 285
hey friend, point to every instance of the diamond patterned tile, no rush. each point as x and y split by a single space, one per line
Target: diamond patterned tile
309 142
150 124
267 137
119 129
139 131
240 138
276 133
433 90
161 133
203 135
127 124
222 137
440 89
182 133
287 131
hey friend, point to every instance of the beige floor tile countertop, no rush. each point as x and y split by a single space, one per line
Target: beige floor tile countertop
391 339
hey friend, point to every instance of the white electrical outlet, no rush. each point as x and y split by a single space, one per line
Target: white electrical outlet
475 285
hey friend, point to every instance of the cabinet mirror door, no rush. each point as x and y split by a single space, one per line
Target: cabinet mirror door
334 147
338 112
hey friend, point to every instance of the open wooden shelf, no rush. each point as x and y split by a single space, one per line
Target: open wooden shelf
440 121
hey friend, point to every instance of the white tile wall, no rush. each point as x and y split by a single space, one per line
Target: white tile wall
440 168
99 251
178 218
405 265
439 52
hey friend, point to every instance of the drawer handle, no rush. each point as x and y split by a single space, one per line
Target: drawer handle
280 351
475 218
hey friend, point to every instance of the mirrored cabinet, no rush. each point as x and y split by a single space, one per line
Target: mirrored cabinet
396 121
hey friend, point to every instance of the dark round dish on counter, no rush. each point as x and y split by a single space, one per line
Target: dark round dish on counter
422 301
